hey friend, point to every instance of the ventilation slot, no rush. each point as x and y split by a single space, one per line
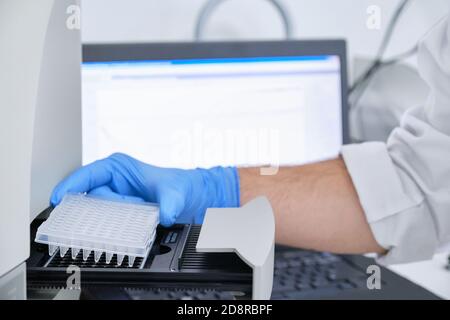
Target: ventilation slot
223 262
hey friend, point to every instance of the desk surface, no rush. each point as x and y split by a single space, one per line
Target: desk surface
431 275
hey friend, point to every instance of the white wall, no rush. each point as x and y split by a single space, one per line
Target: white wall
174 20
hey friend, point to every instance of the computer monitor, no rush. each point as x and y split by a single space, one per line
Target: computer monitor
204 104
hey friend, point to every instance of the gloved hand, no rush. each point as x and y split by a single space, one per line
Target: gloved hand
183 195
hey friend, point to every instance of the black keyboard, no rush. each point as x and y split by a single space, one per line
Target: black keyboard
300 274
178 294
303 274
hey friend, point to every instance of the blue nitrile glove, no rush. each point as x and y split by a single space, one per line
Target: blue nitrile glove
183 195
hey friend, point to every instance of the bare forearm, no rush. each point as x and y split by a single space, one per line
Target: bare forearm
316 207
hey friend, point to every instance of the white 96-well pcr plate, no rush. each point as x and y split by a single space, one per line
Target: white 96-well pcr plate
86 223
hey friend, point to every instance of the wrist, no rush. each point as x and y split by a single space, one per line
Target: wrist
217 187
226 183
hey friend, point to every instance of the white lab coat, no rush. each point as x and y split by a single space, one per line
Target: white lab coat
404 185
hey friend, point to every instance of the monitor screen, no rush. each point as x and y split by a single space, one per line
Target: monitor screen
207 112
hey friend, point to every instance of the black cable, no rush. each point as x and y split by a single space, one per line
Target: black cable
385 41
211 5
365 82
362 82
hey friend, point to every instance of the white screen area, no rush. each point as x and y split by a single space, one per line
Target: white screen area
203 113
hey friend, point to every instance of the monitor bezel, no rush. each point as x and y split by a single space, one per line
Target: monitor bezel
117 52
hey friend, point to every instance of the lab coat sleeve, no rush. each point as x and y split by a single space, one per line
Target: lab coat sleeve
404 185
